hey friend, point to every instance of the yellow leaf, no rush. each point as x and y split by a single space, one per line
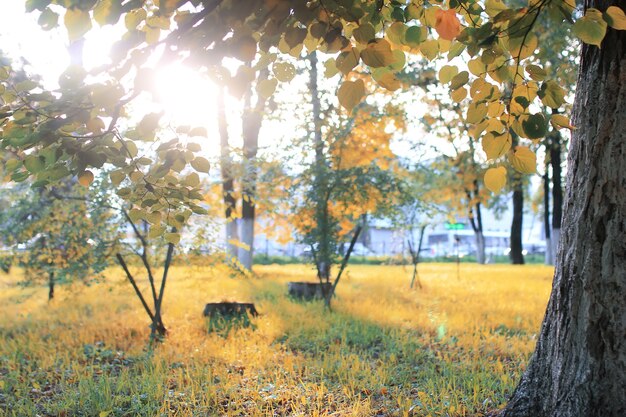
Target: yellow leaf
347 60
77 22
172 238
447 24
615 17
447 72
155 231
496 146
351 93
459 94
561 122
476 67
95 125
386 79
200 164
476 112
154 217
429 49
284 71
378 54
495 179
523 160
85 178
134 17
104 413
266 88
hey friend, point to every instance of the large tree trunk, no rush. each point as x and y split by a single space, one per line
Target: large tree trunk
579 364
228 187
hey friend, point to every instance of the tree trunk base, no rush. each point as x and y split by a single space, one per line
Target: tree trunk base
224 316
309 290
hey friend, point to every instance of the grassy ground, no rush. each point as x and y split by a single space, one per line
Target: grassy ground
455 347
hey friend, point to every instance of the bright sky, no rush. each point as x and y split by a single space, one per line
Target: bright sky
186 97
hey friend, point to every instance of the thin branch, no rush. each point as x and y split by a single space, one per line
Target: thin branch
120 259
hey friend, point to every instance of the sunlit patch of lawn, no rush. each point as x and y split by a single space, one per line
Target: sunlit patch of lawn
456 347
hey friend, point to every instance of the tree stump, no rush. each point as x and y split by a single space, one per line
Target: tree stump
225 315
309 290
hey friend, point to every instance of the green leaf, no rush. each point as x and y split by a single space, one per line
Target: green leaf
12 164
351 93
48 19
535 126
200 164
34 164
615 17
415 35
591 28
77 22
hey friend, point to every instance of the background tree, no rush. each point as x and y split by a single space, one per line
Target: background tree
57 240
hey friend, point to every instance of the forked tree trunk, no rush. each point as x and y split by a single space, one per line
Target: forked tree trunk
228 182
251 125
579 364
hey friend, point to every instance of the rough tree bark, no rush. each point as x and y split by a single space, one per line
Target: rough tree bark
579 364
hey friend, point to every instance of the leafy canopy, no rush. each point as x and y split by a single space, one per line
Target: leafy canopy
494 73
